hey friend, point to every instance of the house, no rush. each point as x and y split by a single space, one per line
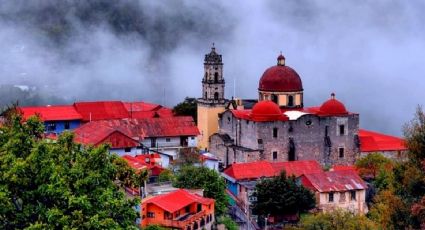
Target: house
150 162
56 119
122 139
389 146
241 178
163 135
341 189
209 160
179 209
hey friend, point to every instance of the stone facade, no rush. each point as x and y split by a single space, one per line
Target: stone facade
326 139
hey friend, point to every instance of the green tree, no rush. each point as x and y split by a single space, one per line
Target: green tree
61 185
214 186
370 166
166 175
187 108
228 223
282 195
336 220
154 227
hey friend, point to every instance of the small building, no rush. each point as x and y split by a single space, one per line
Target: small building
150 162
341 189
56 119
179 209
389 146
209 160
241 178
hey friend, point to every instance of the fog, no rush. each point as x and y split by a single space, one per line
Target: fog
370 53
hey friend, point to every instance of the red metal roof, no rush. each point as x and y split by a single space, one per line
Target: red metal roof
139 162
167 126
147 110
258 169
96 133
51 113
375 142
101 110
177 200
343 180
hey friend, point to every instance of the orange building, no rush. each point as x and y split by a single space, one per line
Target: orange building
178 210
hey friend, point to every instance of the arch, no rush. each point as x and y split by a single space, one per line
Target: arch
216 96
189 228
202 223
290 100
215 77
291 150
275 98
195 226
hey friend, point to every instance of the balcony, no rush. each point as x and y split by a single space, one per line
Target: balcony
183 221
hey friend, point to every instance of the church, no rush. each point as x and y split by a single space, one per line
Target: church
277 127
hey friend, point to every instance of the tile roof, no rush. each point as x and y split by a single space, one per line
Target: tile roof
140 162
177 200
375 142
343 180
51 113
258 169
167 126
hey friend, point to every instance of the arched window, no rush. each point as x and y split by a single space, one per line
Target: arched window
216 96
274 98
215 77
290 100
206 95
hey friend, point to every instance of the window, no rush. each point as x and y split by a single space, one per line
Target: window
67 125
331 197
167 139
274 98
342 197
187 209
353 195
215 77
51 127
167 216
274 155
206 95
215 96
290 100
341 130
199 207
151 215
341 152
260 141
127 150
275 132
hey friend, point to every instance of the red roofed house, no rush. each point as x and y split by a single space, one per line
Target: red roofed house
241 178
178 210
56 118
343 189
389 146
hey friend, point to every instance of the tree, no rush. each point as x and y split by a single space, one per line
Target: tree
61 185
154 227
370 165
192 177
187 108
281 195
165 176
338 219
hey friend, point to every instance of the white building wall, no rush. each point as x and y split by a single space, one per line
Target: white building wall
121 151
356 206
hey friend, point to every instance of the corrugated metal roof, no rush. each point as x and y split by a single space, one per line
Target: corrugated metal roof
51 113
334 181
375 142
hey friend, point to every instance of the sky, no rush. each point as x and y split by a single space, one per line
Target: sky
371 54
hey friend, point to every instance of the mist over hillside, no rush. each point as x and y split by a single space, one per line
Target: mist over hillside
369 53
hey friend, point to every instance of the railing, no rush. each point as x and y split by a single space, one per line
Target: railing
183 223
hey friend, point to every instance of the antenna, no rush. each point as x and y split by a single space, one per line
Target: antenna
234 87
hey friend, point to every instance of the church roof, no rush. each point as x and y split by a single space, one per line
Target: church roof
376 142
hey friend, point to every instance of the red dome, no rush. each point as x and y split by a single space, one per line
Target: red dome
266 111
280 78
333 107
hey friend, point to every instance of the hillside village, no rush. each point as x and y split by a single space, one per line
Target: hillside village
245 141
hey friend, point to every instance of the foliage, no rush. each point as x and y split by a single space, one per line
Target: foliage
214 186
165 176
187 156
371 165
389 211
154 227
414 133
61 185
228 223
282 195
338 220
186 108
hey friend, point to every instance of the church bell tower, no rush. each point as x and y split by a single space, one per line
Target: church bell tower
212 101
